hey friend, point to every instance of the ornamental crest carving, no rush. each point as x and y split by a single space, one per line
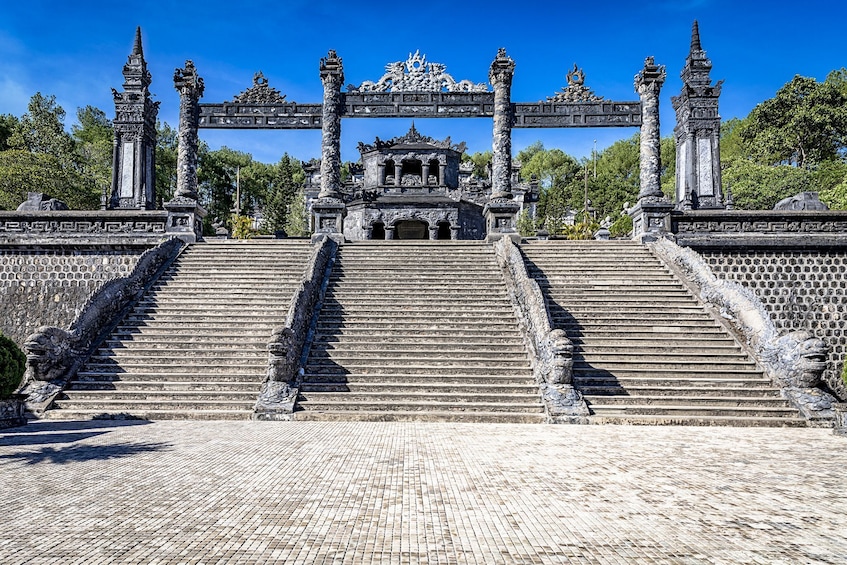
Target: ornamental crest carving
260 93
417 75
575 91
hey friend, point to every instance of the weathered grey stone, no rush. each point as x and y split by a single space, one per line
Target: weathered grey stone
417 75
285 348
648 84
38 201
840 410
134 154
501 73
55 354
332 77
12 412
697 133
794 361
801 201
551 348
190 87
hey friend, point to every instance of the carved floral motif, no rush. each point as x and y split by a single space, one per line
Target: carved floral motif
261 93
417 75
575 91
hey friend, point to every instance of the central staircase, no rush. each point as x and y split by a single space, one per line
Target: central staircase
645 350
418 331
195 346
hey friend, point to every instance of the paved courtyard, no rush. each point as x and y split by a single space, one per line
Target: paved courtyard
310 492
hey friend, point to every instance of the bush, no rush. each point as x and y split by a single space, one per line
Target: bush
621 227
242 227
12 366
844 373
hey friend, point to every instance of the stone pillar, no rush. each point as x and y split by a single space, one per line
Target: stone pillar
398 171
454 232
433 231
134 153
389 232
185 215
697 133
380 174
651 214
332 77
425 173
500 74
190 87
442 171
648 84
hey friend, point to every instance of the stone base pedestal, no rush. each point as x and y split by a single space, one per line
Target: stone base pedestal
329 216
501 219
12 411
185 219
651 219
840 410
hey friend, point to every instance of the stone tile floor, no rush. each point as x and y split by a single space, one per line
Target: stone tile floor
313 492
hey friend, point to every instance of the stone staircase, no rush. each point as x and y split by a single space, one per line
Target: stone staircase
645 350
418 331
195 345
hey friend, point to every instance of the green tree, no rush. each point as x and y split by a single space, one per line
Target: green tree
481 163
8 124
297 219
22 171
93 141
217 174
287 178
166 157
42 130
804 124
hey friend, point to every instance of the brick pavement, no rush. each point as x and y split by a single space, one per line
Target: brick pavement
313 492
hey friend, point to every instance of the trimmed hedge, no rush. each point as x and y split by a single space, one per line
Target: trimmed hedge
12 366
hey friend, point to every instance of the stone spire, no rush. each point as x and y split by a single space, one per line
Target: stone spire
133 162
697 132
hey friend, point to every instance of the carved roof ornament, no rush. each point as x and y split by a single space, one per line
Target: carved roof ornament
575 91
412 137
260 93
417 75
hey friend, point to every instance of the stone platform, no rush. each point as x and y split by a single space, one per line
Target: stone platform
357 492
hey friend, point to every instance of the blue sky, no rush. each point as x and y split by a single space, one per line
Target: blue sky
76 51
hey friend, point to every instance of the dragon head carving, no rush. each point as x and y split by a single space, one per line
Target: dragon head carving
47 353
561 349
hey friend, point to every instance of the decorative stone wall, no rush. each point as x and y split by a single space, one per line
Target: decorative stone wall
51 286
802 290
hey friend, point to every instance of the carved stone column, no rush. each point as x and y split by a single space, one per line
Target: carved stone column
433 231
500 74
648 84
190 87
389 232
398 171
185 215
134 154
651 214
332 77
425 173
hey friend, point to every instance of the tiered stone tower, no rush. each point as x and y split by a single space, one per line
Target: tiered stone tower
697 133
133 164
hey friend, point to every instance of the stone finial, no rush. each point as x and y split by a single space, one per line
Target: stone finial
136 46
652 76
187 81
695 37
331 65
502 68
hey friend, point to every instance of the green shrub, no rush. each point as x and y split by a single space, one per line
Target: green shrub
621 227
12 366
583 229
844 373
242 227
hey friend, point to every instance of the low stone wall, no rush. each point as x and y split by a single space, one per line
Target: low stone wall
800 289
49 285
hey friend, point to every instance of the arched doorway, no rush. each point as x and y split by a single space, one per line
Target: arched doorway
411 229
444 230
378 230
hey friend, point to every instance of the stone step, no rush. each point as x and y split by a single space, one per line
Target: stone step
414 405
737 421
481 378
420 416
206 385
760 390
617 366
412 371
164 366
425 388
411 354
706 398
171 376
657 379
193 333
600 347
434 338
690 410
241 397
138 414
157 356
114 405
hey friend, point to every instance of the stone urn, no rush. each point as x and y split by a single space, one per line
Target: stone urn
12 411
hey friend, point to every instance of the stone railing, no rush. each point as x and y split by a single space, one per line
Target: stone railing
285 349
55 355
748 228
73 226
551 348
795 361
